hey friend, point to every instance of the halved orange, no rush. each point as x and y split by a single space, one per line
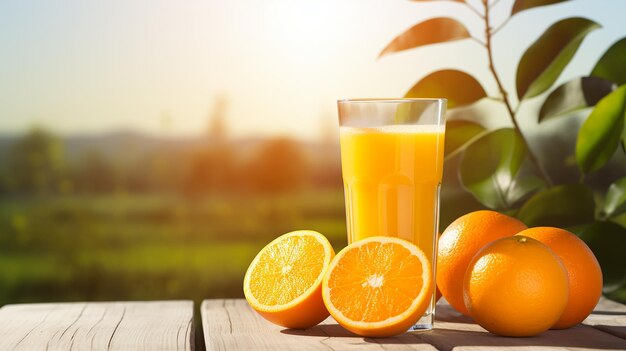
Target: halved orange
379 286
284 281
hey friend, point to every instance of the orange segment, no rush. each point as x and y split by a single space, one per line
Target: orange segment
379 286
283 282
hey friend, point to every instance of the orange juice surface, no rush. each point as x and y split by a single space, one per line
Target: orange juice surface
391 179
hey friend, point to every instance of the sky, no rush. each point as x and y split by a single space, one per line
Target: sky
160 67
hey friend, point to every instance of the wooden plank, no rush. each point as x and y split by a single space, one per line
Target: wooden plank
609 316
156 325
232 324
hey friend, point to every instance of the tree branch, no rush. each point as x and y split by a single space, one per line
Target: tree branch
494 3
474 10
482 43
497 29
506 100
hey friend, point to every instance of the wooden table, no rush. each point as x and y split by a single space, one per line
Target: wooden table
232 325
157 325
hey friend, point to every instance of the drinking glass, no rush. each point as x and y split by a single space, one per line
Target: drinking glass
391 163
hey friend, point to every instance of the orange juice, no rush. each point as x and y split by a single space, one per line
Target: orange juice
392 176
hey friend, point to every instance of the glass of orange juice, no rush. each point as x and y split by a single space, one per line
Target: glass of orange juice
391 163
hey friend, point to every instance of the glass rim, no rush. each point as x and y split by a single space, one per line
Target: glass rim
390 100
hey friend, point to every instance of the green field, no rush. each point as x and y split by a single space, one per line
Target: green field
145 247
128 247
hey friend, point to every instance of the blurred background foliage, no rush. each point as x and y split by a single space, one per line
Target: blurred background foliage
124 216
570 174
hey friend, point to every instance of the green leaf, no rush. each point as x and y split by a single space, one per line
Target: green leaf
543 61
458 134
458 87
599 136
432 31
523 186
615 202
577 94
559 206
489 167
521 5
607 240
611 64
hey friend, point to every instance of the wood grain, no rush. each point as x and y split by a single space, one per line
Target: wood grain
233 325
157 325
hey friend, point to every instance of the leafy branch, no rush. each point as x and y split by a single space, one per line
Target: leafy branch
492 162
505 95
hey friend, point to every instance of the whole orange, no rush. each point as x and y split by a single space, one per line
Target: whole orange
583 271
461 241
516 286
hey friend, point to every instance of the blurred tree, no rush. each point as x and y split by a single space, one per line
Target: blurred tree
209 171
329 129
139 177
35 163
278 167
327 170
95 173
218 132
211 165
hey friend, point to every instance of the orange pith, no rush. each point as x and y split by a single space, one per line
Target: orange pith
283 282
379 286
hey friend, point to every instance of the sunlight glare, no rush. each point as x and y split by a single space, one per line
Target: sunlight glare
301 30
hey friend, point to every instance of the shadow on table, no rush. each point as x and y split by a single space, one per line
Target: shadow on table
448 336
609 313
577 337
322 330
448 339
447 313
619 331
336 331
